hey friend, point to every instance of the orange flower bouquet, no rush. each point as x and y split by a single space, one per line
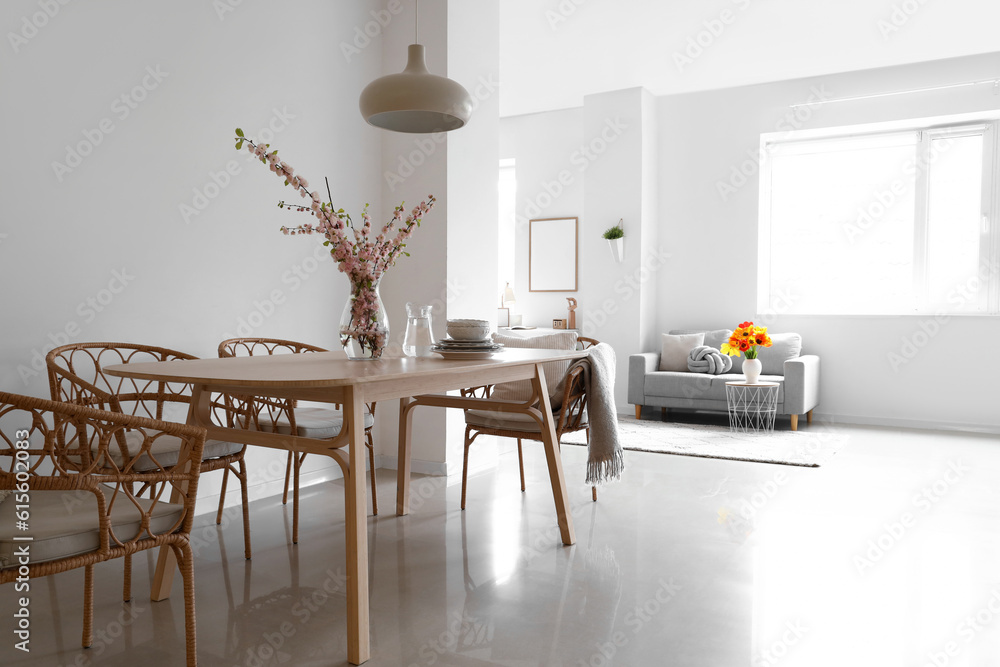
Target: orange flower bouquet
746 339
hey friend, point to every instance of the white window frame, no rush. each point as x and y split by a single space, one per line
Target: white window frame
928 129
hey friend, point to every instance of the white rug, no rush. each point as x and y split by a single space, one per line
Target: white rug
810 446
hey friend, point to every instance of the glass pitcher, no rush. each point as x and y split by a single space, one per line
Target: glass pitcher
419 338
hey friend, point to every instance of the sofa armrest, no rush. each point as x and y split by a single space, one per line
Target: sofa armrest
801 384
638 366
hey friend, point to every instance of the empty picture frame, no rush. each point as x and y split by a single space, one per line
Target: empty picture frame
552 256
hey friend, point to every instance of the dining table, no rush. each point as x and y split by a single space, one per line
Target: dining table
330 377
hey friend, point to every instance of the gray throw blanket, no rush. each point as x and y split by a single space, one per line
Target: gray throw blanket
605 459
705 359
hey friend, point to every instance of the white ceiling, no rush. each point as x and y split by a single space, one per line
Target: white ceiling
553 52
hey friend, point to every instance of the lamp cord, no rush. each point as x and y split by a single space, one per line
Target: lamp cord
416 16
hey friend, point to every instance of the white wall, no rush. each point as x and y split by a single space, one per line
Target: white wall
711 283
597 163
546 150
453 259
188 282
691 145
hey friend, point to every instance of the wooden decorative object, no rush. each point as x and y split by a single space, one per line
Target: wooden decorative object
56 434
76 375
558 324
331 378
568 420
270 410
571 321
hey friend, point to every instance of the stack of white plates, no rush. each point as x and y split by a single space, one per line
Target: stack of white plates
467 349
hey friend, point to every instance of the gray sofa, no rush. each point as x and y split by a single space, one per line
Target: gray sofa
783 363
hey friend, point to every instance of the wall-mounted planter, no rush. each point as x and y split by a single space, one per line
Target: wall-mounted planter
617 249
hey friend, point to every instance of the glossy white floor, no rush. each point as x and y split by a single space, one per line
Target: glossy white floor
888 555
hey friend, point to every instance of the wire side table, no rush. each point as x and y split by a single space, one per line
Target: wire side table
752 407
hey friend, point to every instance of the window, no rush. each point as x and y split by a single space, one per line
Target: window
880 221
505 238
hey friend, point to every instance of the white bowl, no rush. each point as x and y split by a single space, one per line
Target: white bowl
469 329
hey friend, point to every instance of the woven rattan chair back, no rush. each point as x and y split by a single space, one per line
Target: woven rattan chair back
38 439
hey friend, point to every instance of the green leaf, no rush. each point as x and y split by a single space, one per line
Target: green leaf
239 132
239 145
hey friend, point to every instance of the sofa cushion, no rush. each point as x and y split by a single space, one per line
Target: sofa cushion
554 370
784 346
715 338
675 348
698 385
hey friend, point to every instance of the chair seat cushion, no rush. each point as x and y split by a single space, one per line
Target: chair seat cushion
319 423
507 421
165 450
65 523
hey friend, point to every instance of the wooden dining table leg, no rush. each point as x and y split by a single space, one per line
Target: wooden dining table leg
554 459
358 637
166 561
403 462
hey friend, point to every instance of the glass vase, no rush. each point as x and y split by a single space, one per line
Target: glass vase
419 338
364 325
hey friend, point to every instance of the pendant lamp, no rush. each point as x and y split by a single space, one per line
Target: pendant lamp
416 100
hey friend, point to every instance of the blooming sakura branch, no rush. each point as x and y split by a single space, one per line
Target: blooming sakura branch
360 253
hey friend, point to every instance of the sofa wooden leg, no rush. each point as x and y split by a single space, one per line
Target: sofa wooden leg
795 422
638 412
809 417
663 414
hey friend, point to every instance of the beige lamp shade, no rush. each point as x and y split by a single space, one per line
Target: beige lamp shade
416 100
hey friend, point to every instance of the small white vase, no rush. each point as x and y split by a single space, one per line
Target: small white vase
617 249
751 369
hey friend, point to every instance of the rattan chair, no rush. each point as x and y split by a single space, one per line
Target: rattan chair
82 510
570 417
76 375
276 415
